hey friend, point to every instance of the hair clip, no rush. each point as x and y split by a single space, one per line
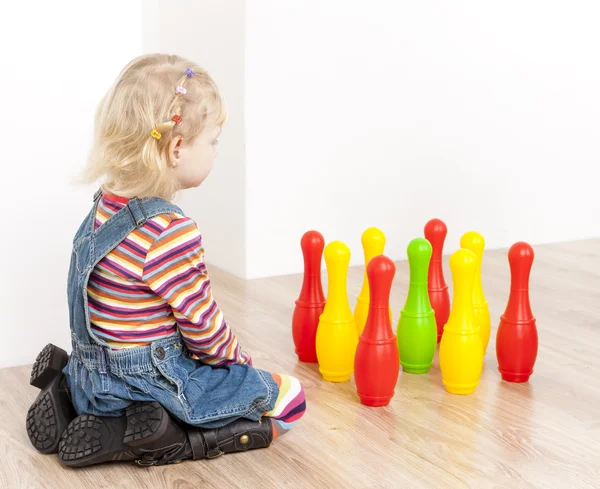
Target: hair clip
177 119
155 134
181 90
189 72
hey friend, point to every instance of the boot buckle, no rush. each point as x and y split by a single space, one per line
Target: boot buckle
215 453
146 462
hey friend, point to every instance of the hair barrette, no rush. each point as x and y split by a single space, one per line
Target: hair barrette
155 134
189 72
181 90
177 119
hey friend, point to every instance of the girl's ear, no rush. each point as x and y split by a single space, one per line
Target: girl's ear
174 147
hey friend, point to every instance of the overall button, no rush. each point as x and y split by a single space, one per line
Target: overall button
160 353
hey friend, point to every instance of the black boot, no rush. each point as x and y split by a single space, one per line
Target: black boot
52 410
149 436
238 436
145 434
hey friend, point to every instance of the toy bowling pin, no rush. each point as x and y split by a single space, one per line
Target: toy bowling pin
376 364
517 338
337 337
461 352
373 242
417 330
481 314
435 233
311 301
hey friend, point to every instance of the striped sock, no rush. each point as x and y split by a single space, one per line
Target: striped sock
289 406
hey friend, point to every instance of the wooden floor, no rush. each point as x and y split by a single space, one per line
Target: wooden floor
543 434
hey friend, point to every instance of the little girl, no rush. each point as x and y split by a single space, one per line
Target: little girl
156 374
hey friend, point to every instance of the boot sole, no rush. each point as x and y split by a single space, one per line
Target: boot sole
91 440
52 411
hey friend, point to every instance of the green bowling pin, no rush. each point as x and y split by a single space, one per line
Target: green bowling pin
417 331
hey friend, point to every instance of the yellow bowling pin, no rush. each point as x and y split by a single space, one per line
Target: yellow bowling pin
337 337
481 314
373 242
461 351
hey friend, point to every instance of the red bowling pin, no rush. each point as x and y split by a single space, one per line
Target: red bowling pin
376 363
435 233
517 338
311 301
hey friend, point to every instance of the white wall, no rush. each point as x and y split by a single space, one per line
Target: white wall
211 33
401 105
390 113
58 59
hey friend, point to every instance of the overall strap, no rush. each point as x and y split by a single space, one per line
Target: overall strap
134 215
97 195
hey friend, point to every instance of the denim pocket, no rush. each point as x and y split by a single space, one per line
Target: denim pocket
164 378
106 393
136 386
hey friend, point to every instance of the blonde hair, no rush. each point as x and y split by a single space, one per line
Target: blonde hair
134 124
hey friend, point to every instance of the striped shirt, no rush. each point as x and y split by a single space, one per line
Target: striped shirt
155 282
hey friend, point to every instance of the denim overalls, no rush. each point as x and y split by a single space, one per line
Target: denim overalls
104 382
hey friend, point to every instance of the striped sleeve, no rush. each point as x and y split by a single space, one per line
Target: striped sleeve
175 270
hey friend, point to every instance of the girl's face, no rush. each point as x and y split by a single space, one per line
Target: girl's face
193 160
